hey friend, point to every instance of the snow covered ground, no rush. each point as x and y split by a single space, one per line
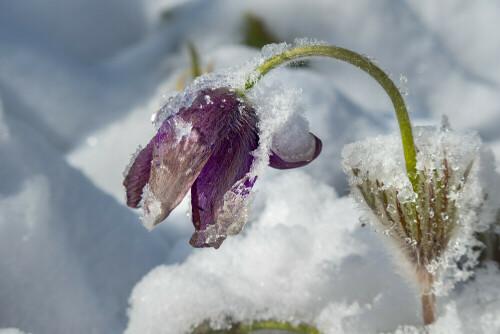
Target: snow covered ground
79 81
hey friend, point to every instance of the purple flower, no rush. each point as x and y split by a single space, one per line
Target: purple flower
206 147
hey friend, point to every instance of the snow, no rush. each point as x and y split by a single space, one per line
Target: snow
63 240
282 125
10 331
224 283
79 82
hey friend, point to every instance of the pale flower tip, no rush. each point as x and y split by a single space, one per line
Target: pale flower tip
153 210
281 160
207 238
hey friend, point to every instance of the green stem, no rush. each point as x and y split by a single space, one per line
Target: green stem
240 328
269 324
195 62
369 67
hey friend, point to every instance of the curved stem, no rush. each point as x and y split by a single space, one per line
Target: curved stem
369 67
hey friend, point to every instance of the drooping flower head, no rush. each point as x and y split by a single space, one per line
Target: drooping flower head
206 147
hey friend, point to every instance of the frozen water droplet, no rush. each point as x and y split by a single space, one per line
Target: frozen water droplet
403 85
156 162
432 267
364 221
208 100
392 209
181 128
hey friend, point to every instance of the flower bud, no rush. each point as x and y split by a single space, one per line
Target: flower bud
432 224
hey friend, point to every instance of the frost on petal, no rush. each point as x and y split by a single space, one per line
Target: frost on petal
282 160
138 175
216 134
231 217
217 114
229 163
175 166
153 210
235 211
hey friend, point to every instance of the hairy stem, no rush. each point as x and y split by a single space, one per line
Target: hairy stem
369 67
426 281
429 308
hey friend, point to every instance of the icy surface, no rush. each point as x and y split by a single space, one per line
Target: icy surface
76 102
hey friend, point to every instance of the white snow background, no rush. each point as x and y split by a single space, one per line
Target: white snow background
79 81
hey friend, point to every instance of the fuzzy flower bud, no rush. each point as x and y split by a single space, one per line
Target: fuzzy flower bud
432 226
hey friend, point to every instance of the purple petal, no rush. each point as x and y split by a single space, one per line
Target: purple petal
178 158
184 143
138 175
283 162
215 113
219 193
